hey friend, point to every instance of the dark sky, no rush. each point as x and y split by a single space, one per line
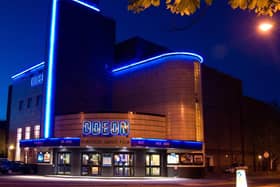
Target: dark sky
226 38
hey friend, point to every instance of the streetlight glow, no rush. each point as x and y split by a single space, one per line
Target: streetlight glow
265 27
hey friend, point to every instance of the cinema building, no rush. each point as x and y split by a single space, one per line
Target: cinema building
97 108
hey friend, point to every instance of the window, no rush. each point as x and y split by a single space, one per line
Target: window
198 159
29 102
173 158
64 163
91 164
152 164
27 133
123 164
37 131
20 105
43 157
186 158
19 137
38 100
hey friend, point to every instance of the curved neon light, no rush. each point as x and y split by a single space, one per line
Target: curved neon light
33 68
87 5
48 118
193 55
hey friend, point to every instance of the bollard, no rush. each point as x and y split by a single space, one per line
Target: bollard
241 180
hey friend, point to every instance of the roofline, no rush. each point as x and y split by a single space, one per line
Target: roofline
29 70
125 67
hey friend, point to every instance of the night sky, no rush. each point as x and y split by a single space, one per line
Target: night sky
227 40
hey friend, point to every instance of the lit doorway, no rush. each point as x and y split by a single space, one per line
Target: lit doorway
123 164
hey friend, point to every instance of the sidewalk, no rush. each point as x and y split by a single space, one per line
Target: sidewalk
249 175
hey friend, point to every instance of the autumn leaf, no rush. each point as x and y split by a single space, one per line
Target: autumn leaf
209 2
188 7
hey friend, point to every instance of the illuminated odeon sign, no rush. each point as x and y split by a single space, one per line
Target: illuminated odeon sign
106 128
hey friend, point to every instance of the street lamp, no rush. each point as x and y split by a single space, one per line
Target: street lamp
265 27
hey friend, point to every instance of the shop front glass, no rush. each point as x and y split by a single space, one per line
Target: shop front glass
63 163
152 164
91 164
124 164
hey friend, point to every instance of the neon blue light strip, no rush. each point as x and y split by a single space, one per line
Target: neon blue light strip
51 67
166 143
193 55
50 142
48 110
36 67
87 5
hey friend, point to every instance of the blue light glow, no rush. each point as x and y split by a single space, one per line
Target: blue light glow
87 5
192 55
51 142
51 68
50 77
165 143
29 70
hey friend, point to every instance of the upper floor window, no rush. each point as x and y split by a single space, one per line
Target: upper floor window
19 134
20 105
37 131
29 102
19 137
38 100
27 132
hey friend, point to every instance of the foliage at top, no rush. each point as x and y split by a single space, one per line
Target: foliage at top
188 7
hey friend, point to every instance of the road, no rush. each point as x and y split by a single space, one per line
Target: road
56 181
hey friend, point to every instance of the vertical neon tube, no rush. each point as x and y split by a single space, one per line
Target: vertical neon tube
49 87
49 103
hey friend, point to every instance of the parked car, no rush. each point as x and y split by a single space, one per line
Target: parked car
21 167
9 167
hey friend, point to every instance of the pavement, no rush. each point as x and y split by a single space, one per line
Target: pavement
219 180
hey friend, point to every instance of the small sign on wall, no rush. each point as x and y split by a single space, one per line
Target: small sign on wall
37 80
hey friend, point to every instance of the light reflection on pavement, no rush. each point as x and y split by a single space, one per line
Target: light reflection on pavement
83 181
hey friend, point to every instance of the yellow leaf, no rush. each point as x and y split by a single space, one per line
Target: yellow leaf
209 2
252 4
262 3
155 2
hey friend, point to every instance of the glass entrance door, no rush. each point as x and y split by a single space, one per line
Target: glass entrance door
91 164
64 163
124 164
152 164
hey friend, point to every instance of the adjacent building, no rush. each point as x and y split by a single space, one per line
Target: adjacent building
261 123
3 138
222 102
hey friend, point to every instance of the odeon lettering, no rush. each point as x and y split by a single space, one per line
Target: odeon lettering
106 128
